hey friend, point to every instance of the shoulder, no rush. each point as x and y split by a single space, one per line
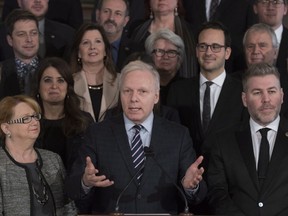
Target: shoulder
58 27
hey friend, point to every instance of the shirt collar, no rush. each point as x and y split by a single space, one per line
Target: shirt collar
219 80
278 33
116 44
255 127
147 124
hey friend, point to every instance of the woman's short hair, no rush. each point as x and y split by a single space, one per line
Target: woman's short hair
8 104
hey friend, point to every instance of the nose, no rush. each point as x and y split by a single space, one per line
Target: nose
256 49
265 97
134 96
28 38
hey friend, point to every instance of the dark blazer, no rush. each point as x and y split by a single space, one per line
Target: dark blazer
124 50
58 40
9 84
65 11
281 62
236 15
107 145
232 176
184 96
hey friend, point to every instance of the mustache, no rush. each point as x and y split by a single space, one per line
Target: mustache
267 106
111 22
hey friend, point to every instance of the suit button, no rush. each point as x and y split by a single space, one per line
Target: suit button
139 196
260 204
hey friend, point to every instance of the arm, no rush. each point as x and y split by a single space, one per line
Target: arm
218 196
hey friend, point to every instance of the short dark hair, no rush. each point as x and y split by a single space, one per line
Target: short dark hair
260 69
15 16
217 26
100 3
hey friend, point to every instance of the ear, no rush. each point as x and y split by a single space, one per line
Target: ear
9 40
156 99
244 99
127 18
228 53
255 8
5 128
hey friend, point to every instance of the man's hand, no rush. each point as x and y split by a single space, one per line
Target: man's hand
193 175
90 177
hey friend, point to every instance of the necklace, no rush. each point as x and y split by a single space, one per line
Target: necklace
95 87
43 197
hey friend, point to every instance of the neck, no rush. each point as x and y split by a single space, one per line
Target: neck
166 77
21 153
53 111
161 22
94 75
210 75
113 37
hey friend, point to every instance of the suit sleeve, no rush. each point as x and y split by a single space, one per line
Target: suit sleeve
188 153
218 195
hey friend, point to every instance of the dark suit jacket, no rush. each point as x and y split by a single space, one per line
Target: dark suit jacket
58 40
281 62
184 95
9 84
64 11
107 145
232 176
236 15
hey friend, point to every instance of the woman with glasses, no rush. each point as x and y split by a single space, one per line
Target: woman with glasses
31 179
63 123
167 51
168 15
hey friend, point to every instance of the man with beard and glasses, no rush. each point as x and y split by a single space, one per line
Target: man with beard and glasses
202 113
242 179
113 15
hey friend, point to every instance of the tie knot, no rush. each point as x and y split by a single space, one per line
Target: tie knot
264 131
208 83
137 128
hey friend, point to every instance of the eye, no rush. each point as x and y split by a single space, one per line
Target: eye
61 80
34 33
26 119
47 80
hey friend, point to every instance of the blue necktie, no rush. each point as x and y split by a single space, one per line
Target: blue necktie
137 150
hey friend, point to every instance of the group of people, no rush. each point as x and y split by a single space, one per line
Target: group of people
183 111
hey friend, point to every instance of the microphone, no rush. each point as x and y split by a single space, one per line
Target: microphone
149 153
117 213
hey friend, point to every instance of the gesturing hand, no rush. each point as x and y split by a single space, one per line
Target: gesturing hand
90 178
193 174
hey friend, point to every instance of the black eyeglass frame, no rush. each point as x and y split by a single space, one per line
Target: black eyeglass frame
25 119
170 53
214 47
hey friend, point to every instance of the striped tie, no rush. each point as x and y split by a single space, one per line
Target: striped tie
137 150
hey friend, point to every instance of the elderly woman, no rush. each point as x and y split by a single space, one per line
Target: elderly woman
169 15
63 123
167 51
31 179
94 72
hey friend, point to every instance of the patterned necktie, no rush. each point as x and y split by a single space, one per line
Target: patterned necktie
206 114
263 160
213 7
137 150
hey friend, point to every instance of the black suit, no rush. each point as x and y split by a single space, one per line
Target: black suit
232 176
281 62
107 145
184 95
58 40
65 11
236 15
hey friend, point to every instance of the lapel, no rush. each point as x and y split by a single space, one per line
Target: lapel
280 152
118 129
282 54
202 9
222 7
243 137
155 144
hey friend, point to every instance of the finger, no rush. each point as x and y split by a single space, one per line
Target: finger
198 161
89 163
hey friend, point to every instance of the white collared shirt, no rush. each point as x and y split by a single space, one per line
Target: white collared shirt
208 3
278 33
256 136
214 92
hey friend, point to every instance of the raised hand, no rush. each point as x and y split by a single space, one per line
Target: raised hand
90 177
193 174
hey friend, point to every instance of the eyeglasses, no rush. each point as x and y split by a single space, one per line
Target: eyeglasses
276 3
202 47
161 53
25 119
